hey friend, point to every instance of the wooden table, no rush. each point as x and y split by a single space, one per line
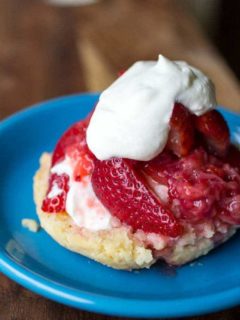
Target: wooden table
47 51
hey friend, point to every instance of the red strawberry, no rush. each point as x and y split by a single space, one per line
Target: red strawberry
215 131
181 134
81 158
123 191
56 194
72 144
76 134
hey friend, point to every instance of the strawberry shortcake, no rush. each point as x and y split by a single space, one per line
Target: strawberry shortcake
149 175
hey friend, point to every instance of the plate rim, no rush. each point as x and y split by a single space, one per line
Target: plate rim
103 303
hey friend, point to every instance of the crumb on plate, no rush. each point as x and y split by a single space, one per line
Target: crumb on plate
31 225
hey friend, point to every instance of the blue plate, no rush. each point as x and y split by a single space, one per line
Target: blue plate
41 265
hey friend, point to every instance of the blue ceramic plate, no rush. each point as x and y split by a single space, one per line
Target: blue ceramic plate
40 264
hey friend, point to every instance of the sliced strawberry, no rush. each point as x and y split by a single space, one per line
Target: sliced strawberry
73 145
75 135
215 131
81 160
181 134
56 194
123 191
83 167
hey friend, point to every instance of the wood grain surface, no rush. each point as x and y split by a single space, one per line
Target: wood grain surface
47 51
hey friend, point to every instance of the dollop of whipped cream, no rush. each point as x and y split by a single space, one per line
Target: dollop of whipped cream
131 119
82 205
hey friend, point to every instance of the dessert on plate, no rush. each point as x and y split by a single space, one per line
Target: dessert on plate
149 175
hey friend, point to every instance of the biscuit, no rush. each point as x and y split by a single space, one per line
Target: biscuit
119 247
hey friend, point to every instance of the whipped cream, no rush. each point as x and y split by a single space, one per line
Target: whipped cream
132 117
82 205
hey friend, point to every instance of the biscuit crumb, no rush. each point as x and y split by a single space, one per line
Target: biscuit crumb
31 225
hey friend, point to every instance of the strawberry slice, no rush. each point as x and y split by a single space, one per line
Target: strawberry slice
181 134
75 135
215 131
56 195
73 145
81 160
123 191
